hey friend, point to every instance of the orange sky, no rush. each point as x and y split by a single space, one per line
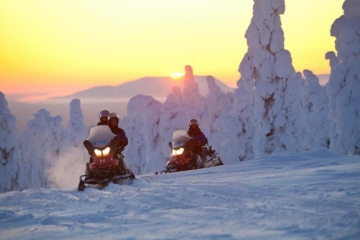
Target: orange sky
59 47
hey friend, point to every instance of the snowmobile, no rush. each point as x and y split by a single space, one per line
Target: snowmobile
183 157
104 166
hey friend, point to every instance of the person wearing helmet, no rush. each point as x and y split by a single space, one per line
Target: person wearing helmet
196 133
104 117
104 120
199 137
120 133
113 124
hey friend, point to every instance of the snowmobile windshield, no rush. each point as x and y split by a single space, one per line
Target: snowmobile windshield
179 138
100 136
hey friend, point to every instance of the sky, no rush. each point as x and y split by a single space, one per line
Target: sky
308 195
59 47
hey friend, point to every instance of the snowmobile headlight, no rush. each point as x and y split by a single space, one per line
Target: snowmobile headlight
106 151
97 152
177 152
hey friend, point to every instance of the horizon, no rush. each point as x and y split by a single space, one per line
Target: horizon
81 51
42 97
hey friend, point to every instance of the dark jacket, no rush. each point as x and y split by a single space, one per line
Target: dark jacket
121 134
197 135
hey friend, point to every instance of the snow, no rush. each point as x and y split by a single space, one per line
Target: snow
290 148
308 195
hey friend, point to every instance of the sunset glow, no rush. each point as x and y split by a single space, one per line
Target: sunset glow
48 46
177 75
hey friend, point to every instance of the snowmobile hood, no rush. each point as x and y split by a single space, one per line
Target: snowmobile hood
100 136
179 138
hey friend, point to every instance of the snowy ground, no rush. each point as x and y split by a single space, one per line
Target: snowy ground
311 195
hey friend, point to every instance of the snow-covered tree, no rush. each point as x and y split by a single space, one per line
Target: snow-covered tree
320 118
344 82
77 130
277 98
191 93
141 126
313 120
333 59
242 121
219 105
195 103
71 162
11 168
42 145
172 117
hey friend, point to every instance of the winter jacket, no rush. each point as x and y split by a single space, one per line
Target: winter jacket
121 134
197 135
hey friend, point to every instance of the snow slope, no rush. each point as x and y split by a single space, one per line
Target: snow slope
308 195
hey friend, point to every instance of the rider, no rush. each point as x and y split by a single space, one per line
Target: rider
104 120
196 133
104 117
120 133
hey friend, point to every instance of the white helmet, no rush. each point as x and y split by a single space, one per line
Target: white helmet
104 113
114 115
193 121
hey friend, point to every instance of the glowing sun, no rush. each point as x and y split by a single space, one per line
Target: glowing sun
177 75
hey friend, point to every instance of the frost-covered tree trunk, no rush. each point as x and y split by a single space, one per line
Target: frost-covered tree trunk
11 167
344 83
277 97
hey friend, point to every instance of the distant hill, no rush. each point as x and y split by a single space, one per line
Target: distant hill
158 87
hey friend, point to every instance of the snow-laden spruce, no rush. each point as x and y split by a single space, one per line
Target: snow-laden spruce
71 160
277 97
344 83
221 138
141 128
77 130
333 59
172 117
11 167
219 104
315 110
41 147
196 104
239 128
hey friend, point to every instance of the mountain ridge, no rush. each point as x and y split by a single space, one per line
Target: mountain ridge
154 86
